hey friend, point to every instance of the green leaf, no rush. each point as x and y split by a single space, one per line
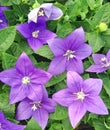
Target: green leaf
61 6
60 113
45 52
106 38
9 110
95 41
99 124
5 2
10 15
56 79
106 84
6 38
32 125
56 126
8 61
42 65
66 124
103 14
64 29
91 3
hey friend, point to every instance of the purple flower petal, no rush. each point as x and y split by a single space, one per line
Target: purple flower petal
57 65
75 65
18 93
47 8
41 77
3 21
24 30
2 117
76 112
95 105
34 43
49 105
97 58
35 92
75 39
40 25
46 35
10 75
2 8
32 16
74 81
96 68
83 51
41 116
45 93
7 125
64 97
24 110
92 86
108 55
56 13
12 126
57 46
24 65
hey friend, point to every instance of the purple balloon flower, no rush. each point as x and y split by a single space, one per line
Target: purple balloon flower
7 125
25 80
102 63
81 96
36 33
38 109
3 20
69 53
47 10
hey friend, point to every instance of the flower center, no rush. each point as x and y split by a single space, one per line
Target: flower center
1 20
36 105
35 34
69 54
80 95
41 12
25 80
105 62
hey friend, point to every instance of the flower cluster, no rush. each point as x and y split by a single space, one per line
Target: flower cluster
28 83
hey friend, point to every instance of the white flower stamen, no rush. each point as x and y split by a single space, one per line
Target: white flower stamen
25 80
35 105
69 54
105 62
80 95
41 12
35 34
1 21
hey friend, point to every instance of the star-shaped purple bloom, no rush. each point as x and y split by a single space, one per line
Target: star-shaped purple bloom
69 53
25 80
102 63
36 33
81 96
7 125
38 109
3 20
47 10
